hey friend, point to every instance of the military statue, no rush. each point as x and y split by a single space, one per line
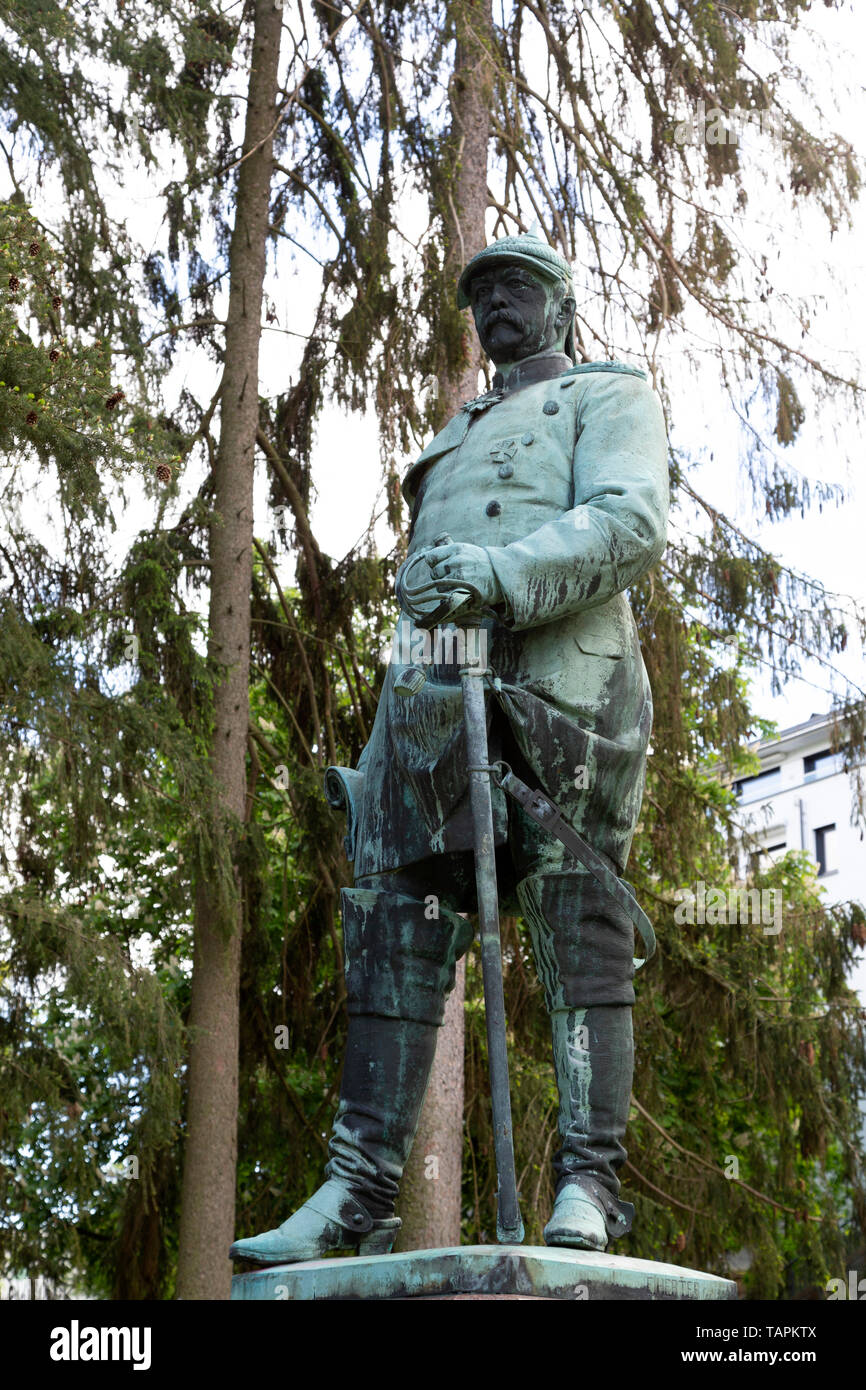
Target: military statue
536 506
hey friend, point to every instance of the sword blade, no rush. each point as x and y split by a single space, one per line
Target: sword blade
509 1225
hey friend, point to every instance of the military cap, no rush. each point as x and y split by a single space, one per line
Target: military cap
528 250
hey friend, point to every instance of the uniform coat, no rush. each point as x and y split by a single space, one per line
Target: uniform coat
562 478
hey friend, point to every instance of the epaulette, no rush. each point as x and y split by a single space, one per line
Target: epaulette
622 367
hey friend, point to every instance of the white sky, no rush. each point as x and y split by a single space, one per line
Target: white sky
828 545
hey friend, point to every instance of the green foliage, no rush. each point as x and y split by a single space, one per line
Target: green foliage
57 398
103 697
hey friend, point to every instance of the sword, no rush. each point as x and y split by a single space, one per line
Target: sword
428 603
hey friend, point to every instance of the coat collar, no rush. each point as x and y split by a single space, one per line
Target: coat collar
544 366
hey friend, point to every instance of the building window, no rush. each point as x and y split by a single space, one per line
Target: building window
823 843
750 788
762 859
820 763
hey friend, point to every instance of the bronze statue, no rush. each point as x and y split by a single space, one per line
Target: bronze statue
533 510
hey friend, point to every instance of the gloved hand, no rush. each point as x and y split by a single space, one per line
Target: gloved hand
466 564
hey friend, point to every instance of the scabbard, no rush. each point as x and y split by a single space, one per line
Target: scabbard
547 814
509 1225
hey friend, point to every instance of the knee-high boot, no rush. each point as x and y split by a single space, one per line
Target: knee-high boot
593 1058
583 944
399 969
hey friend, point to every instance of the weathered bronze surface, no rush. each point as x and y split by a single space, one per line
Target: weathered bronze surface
532 511
484 1271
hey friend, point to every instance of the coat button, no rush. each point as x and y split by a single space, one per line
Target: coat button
551 407
493 508
506 470
528 438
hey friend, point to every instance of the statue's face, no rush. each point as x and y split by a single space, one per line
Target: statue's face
518 313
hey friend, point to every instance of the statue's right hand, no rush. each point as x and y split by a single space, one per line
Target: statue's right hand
427 599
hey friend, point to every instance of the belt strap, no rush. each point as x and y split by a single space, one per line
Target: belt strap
548 815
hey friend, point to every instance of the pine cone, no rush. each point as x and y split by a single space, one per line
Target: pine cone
34 248
32 418
114 400
56 302
14 283
53 355
163 472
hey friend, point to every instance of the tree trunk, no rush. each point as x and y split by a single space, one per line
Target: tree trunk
430 1198
465 209
430 1190
208 1201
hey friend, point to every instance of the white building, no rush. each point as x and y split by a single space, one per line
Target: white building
802 799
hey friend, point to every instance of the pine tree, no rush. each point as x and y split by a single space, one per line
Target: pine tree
207 1211
106 698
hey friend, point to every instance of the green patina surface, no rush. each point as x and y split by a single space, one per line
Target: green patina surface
541 501
529 1270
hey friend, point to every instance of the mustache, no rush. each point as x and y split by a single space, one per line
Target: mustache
509 316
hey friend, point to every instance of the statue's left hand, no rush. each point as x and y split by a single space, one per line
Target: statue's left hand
470 564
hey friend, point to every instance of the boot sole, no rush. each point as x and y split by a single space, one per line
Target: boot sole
572 1241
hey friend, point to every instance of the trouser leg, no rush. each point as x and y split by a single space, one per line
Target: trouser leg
400 958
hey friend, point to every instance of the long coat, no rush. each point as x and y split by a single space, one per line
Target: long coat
564 482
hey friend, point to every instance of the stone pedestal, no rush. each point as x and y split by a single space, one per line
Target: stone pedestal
482 1272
